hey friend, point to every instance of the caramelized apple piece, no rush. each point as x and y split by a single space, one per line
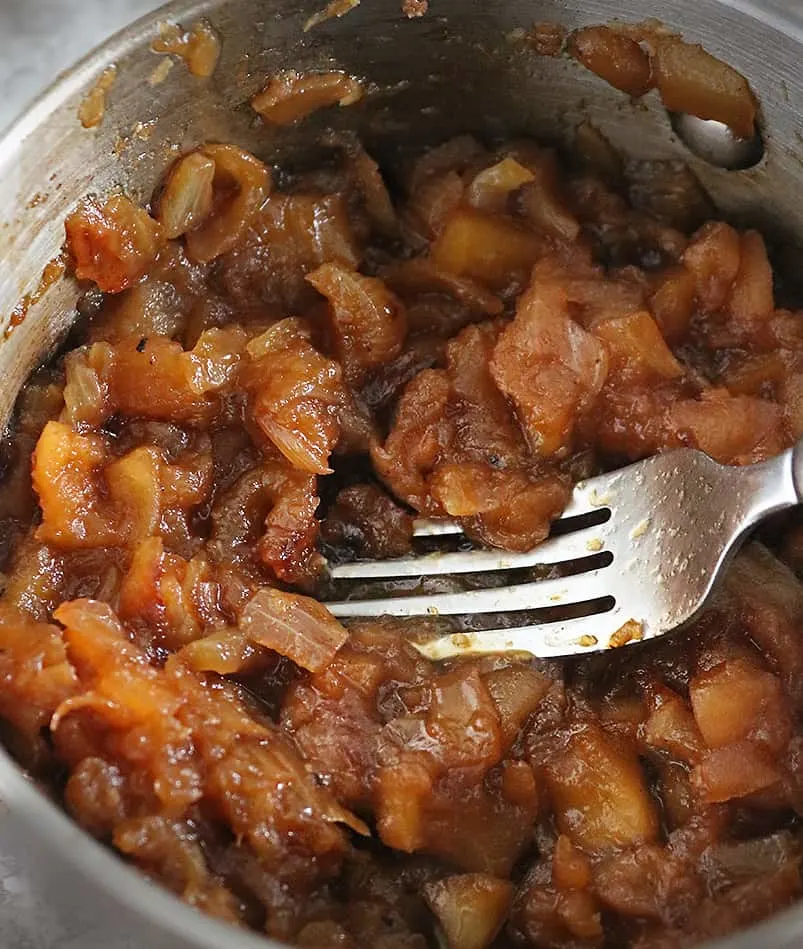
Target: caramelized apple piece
734 771
506 509
691 80
737 700
616 58
550 368
421 433
368 320
490 249
731 429
66 476
636 338
113 243
599 793
672 302
470 908
296 395
516 691
713 257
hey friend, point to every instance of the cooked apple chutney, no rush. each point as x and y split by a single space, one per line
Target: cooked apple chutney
275 372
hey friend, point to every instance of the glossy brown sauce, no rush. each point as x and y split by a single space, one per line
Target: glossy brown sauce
272 376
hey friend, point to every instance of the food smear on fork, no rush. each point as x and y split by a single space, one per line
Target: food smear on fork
265 378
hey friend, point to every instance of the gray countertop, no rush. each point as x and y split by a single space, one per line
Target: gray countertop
39 39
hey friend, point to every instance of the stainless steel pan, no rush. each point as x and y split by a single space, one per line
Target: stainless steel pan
457 69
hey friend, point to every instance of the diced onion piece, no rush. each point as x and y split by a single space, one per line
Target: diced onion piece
691 80
291 96
492 186
470 908
335 8
225 652
85 395
240 186
277 337
198 47
295 626
306 449
186 200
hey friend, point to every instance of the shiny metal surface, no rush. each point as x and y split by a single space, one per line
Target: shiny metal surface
714 142
659 572
462 67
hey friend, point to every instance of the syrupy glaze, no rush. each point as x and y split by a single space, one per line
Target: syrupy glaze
274 376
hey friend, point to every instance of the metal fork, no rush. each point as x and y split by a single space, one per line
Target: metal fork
646 544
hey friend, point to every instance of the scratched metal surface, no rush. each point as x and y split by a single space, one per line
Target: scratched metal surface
39 39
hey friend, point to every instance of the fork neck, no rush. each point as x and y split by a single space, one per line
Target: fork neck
796 453
775 485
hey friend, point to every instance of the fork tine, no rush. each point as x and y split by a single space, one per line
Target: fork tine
576 546
588 496
435 527
592 495
527 596
546 640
